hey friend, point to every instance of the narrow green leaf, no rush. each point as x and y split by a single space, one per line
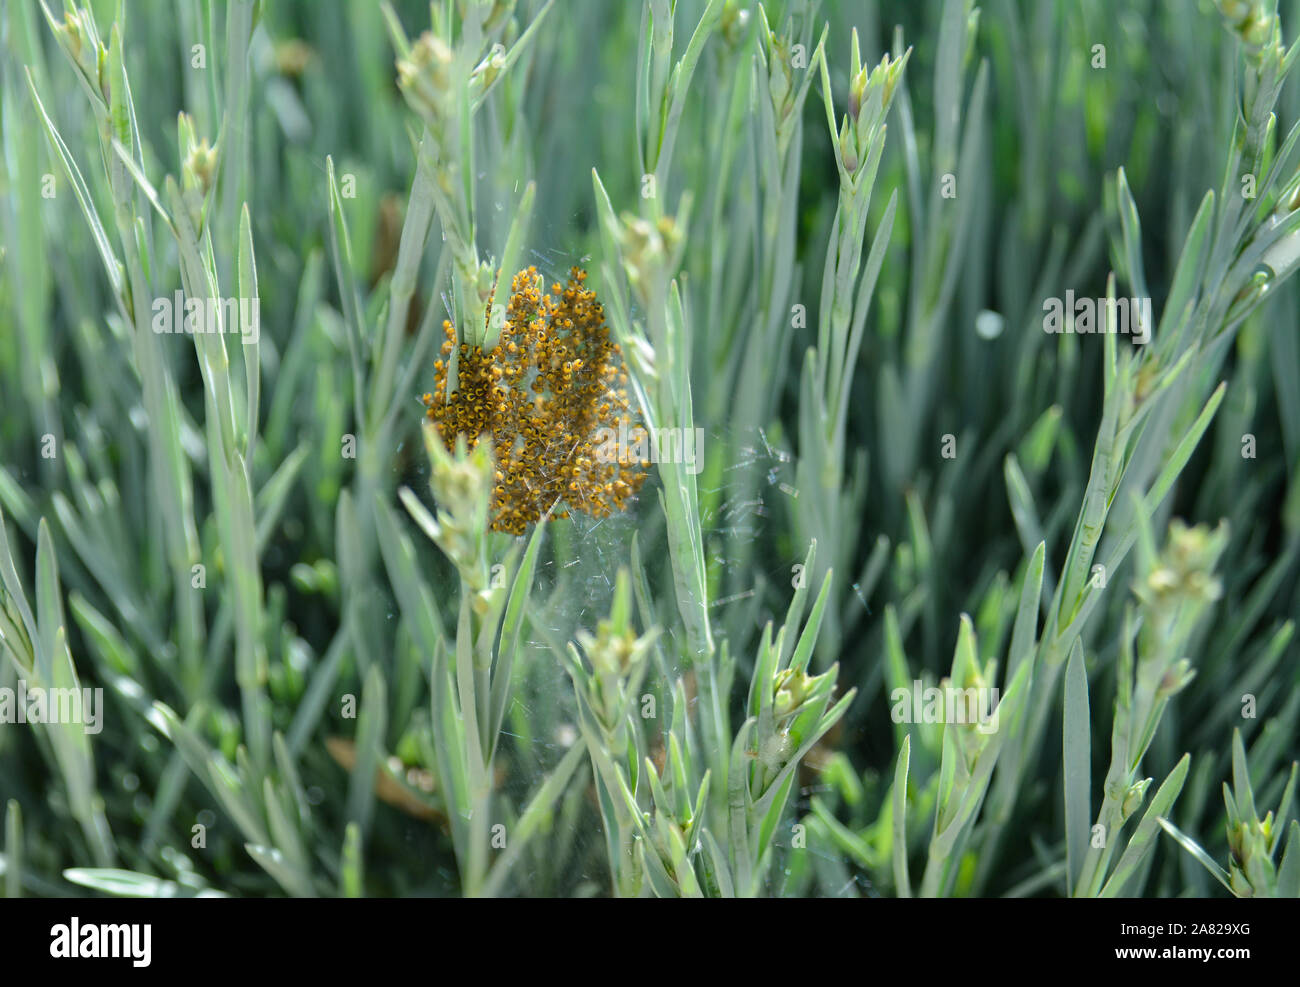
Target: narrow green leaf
350 880
1077 756
372 723
1132 231
1183 290
116 274
1288 874
512 627
509 258
131 884
901 879
13 886
49 603
1245 798
249 334
804 650
1194 848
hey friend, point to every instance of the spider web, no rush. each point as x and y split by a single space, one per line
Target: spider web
573 589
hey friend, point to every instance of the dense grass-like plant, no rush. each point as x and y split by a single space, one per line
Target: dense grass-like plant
559 447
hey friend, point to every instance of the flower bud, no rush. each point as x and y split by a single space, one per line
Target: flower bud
200 166
424 77
1176 679
732 24
1134 798
485 72
77 39
848 148
779 83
